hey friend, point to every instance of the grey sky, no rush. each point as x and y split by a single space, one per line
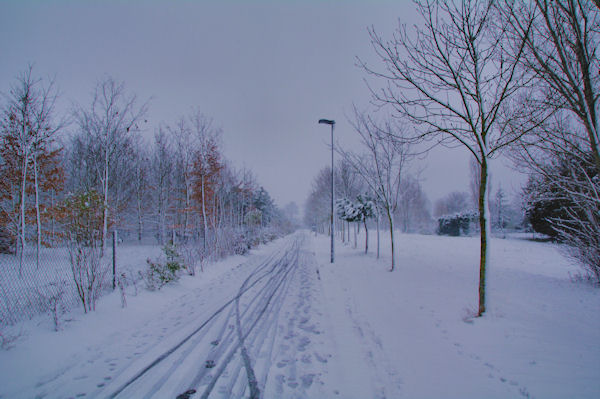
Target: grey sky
265 71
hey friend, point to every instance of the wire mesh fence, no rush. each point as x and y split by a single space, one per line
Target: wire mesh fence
53 282
32 285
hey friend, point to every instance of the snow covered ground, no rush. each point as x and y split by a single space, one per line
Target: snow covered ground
349 330
411 332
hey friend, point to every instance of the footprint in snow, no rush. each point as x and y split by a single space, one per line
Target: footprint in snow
304 342
320 358
307 380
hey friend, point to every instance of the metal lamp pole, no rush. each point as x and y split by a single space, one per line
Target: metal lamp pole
331 123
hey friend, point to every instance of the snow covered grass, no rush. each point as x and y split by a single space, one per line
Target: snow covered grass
413 329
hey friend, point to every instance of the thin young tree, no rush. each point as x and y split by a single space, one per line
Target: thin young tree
207 165
184 146
381 165
161 172
141 183
316 212
451 78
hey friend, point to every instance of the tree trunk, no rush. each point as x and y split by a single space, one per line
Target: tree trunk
484 234
37 212
203 211
378 235
52 227
391 222
105 204
348 225
366 236
140 224
22 227
354 225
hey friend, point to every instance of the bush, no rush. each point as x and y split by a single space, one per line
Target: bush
456 224
159 273
7 241
82 215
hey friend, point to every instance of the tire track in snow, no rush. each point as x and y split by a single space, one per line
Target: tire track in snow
276 271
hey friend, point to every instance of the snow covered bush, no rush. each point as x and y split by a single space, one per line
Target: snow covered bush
160 273
456 224
82 216
564 203
52 298
192 256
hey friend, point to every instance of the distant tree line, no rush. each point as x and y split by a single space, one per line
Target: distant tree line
175 187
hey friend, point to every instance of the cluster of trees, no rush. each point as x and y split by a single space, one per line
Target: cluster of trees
515 77
368 188
177 188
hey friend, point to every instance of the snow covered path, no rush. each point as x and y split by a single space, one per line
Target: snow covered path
285 323
245 334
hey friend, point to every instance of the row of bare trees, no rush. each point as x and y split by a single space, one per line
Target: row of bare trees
516 77
176 187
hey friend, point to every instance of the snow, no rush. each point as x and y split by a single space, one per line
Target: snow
349 330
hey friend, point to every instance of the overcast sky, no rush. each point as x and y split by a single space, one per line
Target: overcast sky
265 71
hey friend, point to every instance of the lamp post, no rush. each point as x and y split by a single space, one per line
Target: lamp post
331 123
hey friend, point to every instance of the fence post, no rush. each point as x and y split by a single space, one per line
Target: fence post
114 258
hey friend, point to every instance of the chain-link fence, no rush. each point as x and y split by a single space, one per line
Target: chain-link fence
32 285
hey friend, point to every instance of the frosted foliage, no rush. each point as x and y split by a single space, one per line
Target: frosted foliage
358 211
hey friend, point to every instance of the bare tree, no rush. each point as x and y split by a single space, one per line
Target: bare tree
348 184
562 39
452 203
185 146
206 165
112 117
563 148
381 165
316 212
141 183
413 208
451 79
161 176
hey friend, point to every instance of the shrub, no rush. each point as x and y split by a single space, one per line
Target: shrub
455 224
82 215
160 273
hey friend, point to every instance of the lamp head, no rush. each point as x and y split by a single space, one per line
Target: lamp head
327 121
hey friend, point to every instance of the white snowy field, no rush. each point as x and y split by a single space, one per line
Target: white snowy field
411 332
347 330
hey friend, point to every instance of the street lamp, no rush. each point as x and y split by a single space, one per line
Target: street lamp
331 123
